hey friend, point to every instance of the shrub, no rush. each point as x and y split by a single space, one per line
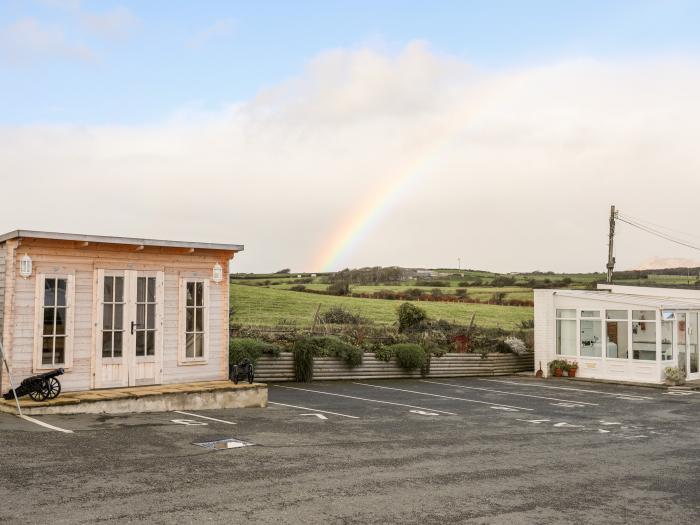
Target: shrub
443 284
303 352
461 292
305 349
517 346
409 356
339 288
502 347
674 375
527 324
242 348
410 316
339 315
498 297
435 292
328 346
383 353
463 284
298 288
414 292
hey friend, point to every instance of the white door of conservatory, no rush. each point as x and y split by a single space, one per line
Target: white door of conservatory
129 342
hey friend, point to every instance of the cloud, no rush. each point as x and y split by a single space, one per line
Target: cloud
29 40
512 170
115 23
219 29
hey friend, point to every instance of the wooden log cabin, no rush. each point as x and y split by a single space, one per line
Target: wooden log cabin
113 311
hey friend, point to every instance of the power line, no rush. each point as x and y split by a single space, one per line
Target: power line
655 232
661 226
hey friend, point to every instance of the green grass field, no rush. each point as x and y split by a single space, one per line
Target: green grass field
260 306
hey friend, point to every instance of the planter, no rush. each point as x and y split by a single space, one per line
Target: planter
572 372
281 368
558 372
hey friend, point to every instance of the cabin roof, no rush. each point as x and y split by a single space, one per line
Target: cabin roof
17 234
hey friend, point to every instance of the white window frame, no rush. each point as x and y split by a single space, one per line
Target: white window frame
183 360
39 319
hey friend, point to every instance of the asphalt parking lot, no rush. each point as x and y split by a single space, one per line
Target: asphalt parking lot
466 450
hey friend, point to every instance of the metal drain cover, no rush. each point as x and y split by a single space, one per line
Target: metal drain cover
224 444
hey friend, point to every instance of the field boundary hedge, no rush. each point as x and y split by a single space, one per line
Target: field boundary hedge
273 369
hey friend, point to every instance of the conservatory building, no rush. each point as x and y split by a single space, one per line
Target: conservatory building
623 333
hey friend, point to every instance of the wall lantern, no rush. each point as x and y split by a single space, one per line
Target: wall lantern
25 266
218 273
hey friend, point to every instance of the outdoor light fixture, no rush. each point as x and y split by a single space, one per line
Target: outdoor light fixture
218 273
25 266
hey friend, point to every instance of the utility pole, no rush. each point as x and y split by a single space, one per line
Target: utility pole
611 237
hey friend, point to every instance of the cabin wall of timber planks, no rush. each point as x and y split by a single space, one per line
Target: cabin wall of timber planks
21 305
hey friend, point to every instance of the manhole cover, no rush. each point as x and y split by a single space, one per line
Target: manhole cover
223 444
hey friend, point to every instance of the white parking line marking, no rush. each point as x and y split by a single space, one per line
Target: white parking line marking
312 409
618 394
535 421
446 397
424 413
189 422
204 417
364 399
320 416
508 393
568 425
41 423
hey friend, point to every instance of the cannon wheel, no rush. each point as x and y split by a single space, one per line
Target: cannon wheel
41 392
251 375
234 375
53 387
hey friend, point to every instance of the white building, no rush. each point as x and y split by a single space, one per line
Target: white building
623 333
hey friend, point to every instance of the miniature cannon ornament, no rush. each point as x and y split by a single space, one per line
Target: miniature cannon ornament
39 387
242 370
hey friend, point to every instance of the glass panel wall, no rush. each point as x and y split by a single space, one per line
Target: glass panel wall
591 334
693 348
644 335
666 339
566 332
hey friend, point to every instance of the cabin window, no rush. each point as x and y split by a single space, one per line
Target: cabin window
113 316
53 330
53 348
195 325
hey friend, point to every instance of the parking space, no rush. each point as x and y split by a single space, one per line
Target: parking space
463 443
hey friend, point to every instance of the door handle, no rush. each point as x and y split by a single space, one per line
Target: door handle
134 325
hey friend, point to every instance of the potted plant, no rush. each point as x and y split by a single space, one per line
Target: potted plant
572 368
557 367
674 376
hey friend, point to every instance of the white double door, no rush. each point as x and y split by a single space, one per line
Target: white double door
129 328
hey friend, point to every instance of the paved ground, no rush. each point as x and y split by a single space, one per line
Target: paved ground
510 450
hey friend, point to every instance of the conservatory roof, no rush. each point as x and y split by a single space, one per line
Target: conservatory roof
664 303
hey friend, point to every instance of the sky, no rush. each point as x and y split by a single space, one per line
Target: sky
325 135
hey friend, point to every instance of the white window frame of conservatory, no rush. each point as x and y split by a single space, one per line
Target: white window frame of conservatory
39 319
182 358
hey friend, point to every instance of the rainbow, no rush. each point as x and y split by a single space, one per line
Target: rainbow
353 229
